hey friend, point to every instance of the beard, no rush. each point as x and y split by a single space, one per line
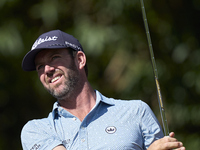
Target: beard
64 90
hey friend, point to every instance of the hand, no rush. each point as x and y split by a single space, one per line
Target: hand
167 143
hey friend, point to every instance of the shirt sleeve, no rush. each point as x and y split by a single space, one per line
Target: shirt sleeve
39 135
150 126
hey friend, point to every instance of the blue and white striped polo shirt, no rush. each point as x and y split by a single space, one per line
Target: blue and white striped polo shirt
110 125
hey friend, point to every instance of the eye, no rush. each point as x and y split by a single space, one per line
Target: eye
39 67
55 57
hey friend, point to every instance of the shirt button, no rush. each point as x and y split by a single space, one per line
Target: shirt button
74 118
83 140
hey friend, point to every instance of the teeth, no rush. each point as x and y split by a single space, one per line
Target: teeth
54 79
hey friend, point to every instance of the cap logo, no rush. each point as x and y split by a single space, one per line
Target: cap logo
41 40
73 45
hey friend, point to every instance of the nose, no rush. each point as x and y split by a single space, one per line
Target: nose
49 70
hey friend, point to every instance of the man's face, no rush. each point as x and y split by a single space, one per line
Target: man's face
57 71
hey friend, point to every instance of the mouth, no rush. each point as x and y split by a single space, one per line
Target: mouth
55 79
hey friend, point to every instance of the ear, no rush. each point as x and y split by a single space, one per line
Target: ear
81 59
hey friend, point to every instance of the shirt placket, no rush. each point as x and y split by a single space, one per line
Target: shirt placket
83 140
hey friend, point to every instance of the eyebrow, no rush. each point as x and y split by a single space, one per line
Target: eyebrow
53 53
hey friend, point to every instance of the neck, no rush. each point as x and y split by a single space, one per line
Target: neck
80 103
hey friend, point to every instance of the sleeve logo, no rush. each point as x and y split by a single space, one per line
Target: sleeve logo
35 147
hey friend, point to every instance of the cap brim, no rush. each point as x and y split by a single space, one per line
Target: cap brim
28 63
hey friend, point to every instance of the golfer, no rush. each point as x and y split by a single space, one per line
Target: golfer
82 118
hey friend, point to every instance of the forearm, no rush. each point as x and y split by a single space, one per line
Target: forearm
59 147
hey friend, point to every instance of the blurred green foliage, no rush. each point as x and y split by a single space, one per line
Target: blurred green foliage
113 37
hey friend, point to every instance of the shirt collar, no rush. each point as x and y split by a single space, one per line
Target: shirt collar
55 109
99 98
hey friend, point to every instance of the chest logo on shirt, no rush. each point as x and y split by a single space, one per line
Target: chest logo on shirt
111 129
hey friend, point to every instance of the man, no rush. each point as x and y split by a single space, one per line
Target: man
82 118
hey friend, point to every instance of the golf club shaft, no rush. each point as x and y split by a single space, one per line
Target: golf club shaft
162 110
